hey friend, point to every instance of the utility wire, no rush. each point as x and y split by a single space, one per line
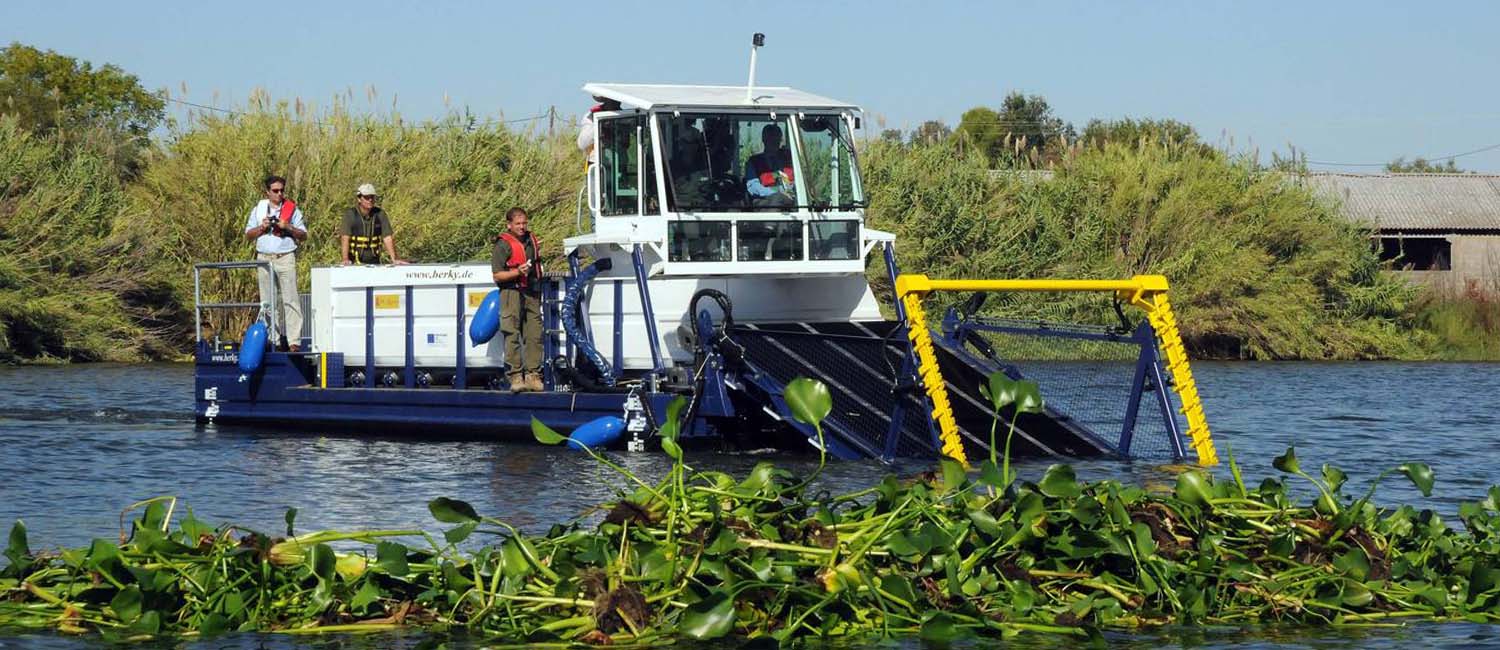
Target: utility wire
227 111
1438 159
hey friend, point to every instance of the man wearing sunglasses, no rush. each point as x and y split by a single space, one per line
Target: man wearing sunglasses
276 227
364 229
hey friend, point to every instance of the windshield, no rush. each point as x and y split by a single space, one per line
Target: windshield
728 162
828 158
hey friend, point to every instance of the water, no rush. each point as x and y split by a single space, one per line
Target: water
82 443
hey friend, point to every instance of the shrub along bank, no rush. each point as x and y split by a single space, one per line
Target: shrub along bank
97 266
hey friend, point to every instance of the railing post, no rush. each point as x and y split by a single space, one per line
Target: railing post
369 337
619 324
460 369
411 352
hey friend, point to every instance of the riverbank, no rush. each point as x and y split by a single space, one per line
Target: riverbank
95 264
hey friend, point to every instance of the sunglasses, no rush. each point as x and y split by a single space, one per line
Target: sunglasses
276 190
368 197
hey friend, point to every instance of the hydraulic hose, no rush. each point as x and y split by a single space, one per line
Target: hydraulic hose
570 312
706 344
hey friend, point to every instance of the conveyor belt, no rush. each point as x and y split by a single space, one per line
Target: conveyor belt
864 366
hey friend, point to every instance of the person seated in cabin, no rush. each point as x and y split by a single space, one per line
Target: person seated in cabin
689 167
769 177
364 230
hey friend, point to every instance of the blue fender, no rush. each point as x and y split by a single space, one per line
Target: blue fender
253 347
597 433
486 319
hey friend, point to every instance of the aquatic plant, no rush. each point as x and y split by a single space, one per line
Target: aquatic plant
703 554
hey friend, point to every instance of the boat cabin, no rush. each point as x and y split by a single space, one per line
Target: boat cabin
724 180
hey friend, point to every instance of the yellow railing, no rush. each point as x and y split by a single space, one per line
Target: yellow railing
1148 292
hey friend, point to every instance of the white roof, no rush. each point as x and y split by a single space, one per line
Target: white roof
648 96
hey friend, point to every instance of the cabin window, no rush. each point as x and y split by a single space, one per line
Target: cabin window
619 168
717 162
833 240
828 158
770 241
1417 253
698 241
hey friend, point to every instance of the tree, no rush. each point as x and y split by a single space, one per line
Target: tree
1421 166
931 132
892 136
49 92
1023 132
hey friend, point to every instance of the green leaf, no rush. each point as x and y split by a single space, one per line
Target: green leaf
989 475
545 434
460 532
1060 483
938 627
148 623
323 561
671 448
452 511
368 594
391 558
1029 397
710 618
999 389
1287 462
17 551
673 424
809 400
953 474
1420 475
127 604
1194 487
1334 477
291 516
213 625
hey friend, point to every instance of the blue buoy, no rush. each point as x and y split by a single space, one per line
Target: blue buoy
253 347
597 433
486 319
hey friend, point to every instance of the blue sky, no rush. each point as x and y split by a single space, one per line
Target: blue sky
1345 82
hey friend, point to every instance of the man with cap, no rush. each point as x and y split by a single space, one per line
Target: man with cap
364 230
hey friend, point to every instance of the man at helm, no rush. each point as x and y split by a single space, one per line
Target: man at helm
769 176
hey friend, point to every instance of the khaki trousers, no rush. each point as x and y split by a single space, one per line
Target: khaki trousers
284 272
521 322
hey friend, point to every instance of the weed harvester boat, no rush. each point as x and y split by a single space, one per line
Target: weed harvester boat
705 268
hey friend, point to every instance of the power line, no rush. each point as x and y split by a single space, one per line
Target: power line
1437 159
235 113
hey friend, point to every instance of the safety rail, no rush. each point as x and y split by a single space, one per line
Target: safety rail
1147 292
199 306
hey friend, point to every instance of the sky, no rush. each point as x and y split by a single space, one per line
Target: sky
1352 84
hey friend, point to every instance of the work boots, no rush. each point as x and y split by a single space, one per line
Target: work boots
533 382
529 382
518 383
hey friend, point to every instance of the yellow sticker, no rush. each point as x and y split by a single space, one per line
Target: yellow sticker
476 298
387 301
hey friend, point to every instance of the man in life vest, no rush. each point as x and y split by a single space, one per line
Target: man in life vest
769 177
364 229
275 225
516 265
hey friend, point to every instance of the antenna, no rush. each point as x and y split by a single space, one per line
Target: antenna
756 42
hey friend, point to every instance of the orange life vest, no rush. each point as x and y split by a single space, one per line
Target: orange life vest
518 257
766 173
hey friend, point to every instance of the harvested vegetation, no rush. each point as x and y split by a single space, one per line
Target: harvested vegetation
706 555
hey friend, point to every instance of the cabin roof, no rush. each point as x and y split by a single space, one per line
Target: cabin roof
648 96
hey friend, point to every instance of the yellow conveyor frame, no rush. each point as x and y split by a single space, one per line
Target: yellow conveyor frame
1148 292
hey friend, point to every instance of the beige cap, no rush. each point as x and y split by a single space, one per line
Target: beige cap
365 190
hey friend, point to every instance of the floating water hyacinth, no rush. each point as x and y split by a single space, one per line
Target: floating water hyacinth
704 555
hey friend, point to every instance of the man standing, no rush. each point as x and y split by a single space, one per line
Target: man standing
275 225
516 266
364 229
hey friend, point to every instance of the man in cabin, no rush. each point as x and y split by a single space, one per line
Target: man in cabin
364 230
275 225
768 174
515 264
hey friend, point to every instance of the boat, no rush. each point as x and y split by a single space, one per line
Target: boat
704 268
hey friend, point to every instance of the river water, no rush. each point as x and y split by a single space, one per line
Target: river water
81 443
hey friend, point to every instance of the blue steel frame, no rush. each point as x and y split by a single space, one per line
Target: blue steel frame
908 369
657 370
1147 366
